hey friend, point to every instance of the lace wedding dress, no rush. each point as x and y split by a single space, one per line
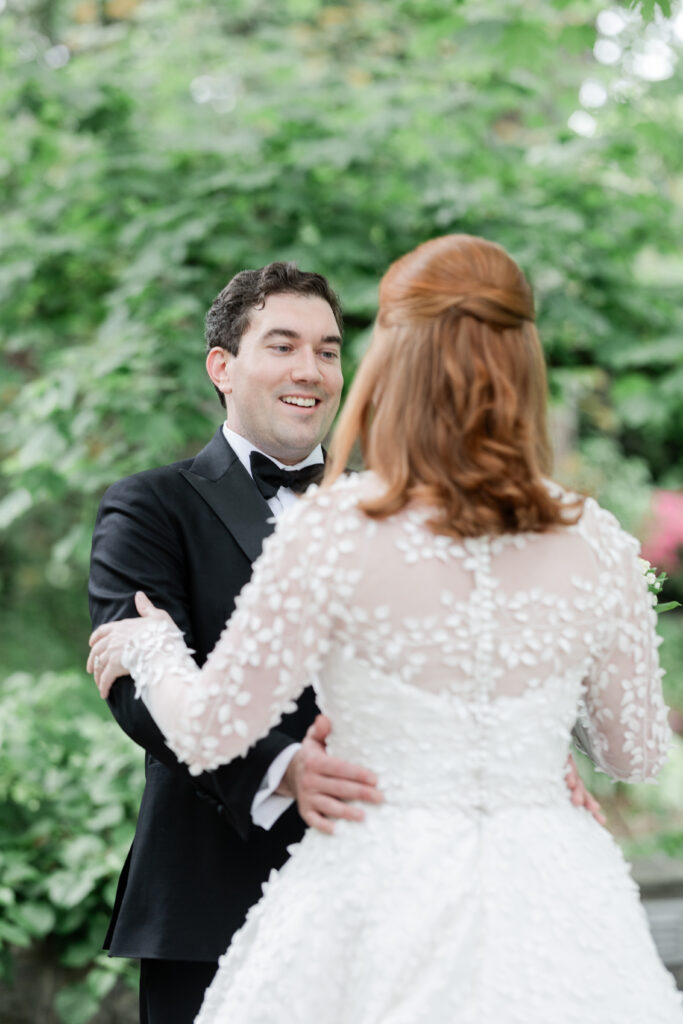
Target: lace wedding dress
476 893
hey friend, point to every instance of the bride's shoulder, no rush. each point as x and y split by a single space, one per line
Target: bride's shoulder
341 496
346 491
596 524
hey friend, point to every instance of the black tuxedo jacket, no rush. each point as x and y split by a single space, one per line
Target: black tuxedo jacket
187 534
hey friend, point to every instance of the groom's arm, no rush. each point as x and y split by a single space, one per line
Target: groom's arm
136 548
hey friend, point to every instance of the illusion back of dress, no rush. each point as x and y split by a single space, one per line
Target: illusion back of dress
459 667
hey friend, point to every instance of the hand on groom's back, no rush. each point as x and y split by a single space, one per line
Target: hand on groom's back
324 786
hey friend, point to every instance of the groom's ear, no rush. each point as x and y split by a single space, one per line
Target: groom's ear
218 362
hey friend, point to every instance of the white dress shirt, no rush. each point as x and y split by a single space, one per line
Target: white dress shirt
267 805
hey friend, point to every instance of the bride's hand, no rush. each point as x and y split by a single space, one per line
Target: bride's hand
108 641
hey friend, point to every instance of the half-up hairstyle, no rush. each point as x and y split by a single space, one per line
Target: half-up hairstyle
449 403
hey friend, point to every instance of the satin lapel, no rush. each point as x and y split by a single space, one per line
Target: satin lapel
224 484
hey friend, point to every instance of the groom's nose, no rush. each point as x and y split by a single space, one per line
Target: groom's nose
306 366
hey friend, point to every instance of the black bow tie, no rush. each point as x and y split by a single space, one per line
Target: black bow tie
269 478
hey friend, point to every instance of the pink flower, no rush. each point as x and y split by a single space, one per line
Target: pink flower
663 543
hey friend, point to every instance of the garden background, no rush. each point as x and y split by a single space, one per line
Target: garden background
152 149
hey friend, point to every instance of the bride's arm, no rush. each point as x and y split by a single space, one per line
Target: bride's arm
625 714
273 643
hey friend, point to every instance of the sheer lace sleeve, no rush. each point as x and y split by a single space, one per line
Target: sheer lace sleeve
625 714
275 640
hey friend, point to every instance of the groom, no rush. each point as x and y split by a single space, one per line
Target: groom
187 534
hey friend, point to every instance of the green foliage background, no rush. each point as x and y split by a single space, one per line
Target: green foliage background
154 149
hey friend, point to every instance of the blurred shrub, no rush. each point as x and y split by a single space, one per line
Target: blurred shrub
621 483
70 784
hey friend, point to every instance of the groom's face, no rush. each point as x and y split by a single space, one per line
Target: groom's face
284 384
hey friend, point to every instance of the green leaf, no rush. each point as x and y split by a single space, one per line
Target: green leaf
14 934
67 889
37 918
14 506
82 851
662 352
7 896
107 817
100 982
76 1004
80 954
649 8
638 401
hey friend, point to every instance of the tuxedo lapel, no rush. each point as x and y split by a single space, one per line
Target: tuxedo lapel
222 481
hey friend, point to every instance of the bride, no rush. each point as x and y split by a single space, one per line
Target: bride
458 609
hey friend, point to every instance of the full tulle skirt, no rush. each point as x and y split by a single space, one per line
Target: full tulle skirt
435 915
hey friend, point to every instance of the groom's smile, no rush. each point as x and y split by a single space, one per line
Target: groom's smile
300 401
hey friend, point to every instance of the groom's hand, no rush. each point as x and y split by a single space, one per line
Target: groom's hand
323 785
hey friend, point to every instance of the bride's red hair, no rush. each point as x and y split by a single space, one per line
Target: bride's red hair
449 403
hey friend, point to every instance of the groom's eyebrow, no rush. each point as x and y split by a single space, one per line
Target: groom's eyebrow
287 332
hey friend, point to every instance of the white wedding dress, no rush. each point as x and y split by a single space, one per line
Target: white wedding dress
476 893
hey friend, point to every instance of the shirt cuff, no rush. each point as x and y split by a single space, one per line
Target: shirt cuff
267 806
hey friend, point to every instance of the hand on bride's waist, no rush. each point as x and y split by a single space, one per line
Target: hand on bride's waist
324 786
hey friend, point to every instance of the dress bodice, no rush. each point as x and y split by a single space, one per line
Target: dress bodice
436 748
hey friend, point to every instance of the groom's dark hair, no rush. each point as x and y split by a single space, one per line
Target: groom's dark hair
228 317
